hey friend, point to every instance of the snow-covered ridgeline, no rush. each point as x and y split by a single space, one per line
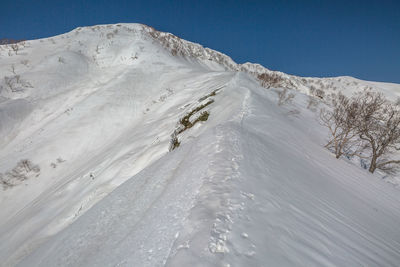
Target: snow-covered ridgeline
96 107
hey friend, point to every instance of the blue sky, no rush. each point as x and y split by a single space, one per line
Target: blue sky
307 38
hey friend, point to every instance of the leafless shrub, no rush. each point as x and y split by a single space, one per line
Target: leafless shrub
312 103
341 122
366 125
16 83
12 82
15 48
28 166
284 97
379 127
61 60
269 80
21 172
4 181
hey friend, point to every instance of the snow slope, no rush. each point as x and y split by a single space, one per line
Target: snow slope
251 186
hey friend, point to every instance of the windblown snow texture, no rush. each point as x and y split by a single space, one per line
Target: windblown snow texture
251 185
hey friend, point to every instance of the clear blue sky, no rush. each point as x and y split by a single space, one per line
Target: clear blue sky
307 38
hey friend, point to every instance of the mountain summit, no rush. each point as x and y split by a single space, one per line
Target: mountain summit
125 146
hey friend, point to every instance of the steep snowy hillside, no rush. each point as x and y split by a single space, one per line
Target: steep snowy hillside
122 145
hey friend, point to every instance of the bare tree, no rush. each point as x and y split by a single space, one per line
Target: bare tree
366 125
341 123
284 97
15 48
379 126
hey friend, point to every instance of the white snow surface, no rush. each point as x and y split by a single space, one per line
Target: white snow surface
251 186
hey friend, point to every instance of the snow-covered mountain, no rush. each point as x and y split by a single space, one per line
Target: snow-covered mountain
124 146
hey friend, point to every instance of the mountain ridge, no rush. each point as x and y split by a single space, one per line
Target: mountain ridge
87 123
268 78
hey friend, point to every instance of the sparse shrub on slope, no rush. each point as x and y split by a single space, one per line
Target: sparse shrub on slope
203 116
284 97
187 121
341 121
269 80
379 127
21 172
366 125
174 143
16 83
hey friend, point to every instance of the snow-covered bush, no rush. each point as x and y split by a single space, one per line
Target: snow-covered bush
21 172
16 84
